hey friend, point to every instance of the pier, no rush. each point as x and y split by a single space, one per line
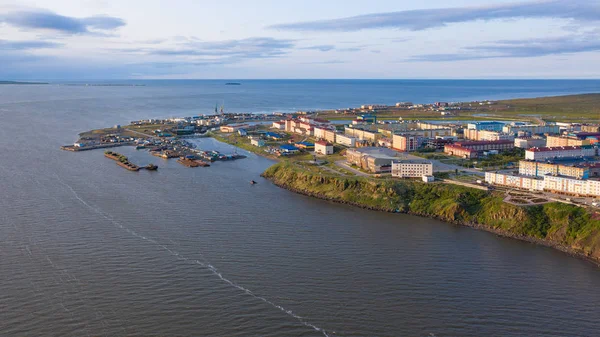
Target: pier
74 148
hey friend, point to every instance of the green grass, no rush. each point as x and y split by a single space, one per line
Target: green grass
150 128
241 142
502 159
577 108
98 133
571 107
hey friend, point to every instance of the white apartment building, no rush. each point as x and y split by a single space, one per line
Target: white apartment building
527 143
494 135
279 125
545 153
526 183
556 184
412 168
319 133
534 129
323 147
348 141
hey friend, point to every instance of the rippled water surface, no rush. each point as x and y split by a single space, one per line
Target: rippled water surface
88 248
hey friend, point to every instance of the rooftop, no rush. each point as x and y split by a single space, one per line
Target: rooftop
558 148
487 123
584 135
273 134
413 161
485 142
565 162
458 147
378 152
305 143
288 147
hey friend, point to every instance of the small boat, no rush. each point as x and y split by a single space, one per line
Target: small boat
252 182
151 167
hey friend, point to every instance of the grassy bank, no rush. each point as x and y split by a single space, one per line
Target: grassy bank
565 227
241 142
585 107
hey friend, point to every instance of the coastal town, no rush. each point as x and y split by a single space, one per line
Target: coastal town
532 163
300 168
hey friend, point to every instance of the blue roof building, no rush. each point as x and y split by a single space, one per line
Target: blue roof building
486 125
288 148
273 135
367 118
305 145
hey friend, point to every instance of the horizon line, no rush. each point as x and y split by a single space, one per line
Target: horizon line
305 79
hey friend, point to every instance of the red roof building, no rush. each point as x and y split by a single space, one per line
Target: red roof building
459 151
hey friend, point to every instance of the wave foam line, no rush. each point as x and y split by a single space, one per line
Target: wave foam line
204 264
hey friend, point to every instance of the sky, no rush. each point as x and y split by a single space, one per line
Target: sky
263 39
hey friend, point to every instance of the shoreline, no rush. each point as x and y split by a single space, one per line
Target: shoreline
476 226
502 233
554 225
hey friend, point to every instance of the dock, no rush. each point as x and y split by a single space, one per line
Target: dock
74 148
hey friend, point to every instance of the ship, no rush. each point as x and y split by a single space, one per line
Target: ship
187 162
128 165
233 83
121 160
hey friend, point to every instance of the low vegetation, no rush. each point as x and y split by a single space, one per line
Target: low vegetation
584 107
579 108
117 156
98 133
563 226
501 160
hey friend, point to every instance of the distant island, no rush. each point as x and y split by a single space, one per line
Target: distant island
103 85
17 82
233 83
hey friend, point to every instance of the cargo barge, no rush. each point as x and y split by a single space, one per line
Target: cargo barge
121 160
190 162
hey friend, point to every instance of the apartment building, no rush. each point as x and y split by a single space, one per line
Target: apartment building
490 126
373 159
499 145
560 152
406 142
555 141
555 184
529 142
345 140
412 168
459 151
540 169
533 129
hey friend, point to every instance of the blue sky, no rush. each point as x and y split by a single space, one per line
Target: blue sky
108 39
